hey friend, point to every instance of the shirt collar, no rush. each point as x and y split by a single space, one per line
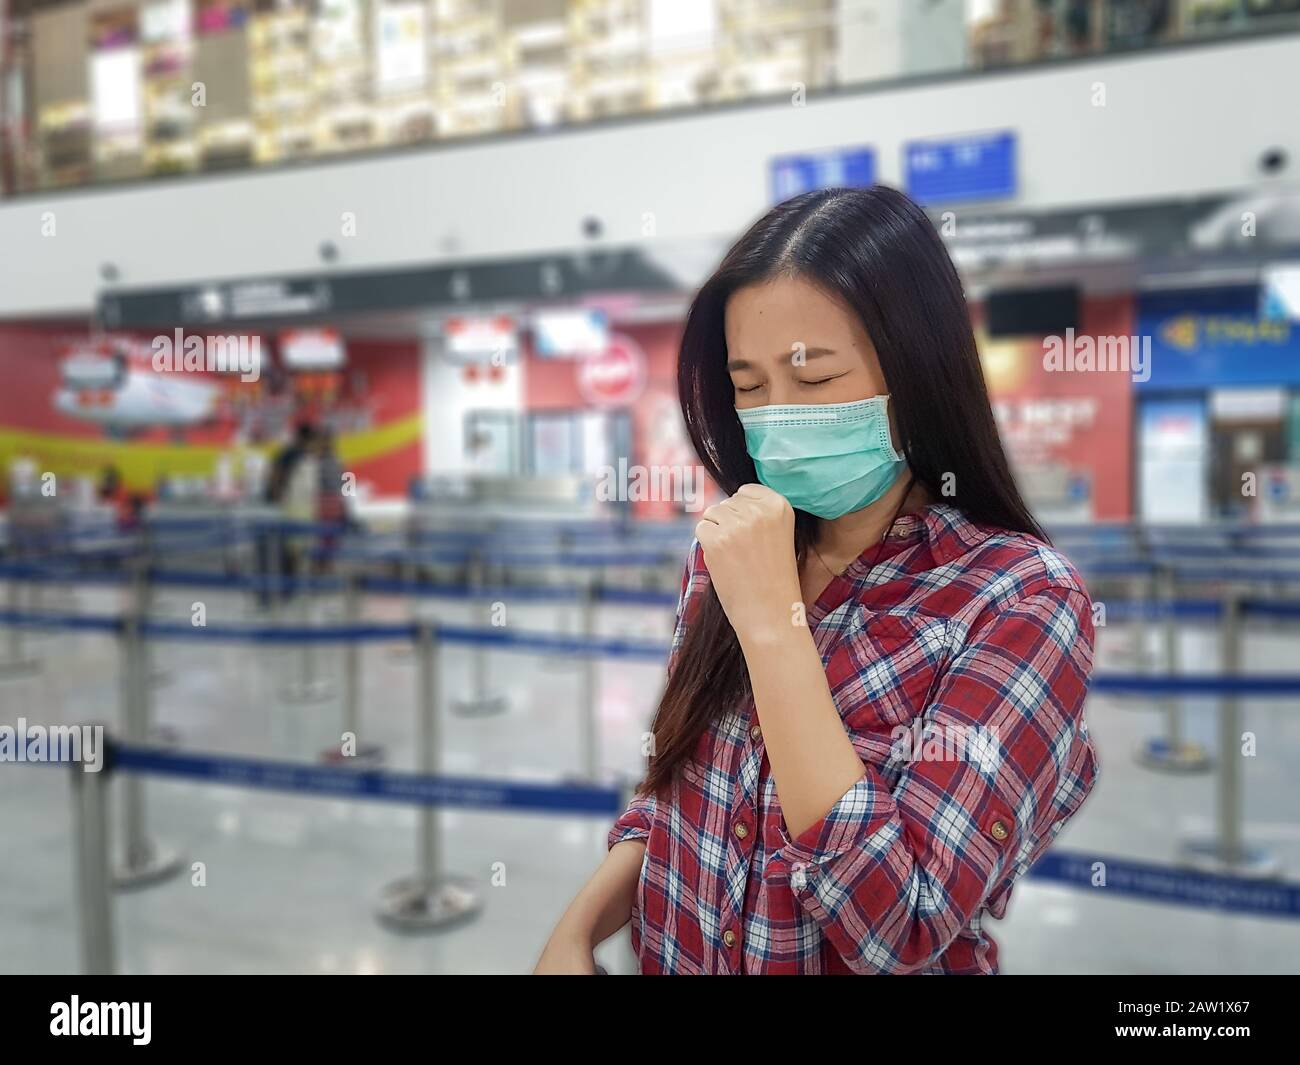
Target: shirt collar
944 529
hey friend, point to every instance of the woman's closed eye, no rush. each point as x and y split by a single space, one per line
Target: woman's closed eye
824 380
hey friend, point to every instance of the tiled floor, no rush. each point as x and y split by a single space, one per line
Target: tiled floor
292 882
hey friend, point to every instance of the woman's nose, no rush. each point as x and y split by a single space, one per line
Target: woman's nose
780 392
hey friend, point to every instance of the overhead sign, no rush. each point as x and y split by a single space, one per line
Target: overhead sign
954 169
1210 338
570 332
792 175
475 338
542 277
311 349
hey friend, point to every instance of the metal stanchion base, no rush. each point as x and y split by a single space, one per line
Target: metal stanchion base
1157 753
413 905
317 691
484 706
22 667
141 871
368 754
1207 856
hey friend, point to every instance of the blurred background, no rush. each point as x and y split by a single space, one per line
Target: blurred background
342 477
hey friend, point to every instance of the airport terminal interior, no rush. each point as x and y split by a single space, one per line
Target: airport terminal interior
344 480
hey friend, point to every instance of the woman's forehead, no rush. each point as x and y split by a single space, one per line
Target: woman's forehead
770 321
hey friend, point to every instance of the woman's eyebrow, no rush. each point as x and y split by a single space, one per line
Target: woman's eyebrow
808 353
812 353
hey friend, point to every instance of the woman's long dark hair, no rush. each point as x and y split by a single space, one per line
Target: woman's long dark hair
878 252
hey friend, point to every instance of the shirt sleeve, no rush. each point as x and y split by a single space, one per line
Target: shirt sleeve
892 876
635 821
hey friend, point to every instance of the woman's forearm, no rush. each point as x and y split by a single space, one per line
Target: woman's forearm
604 904
813 761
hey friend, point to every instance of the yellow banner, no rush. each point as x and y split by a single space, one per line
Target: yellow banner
143 464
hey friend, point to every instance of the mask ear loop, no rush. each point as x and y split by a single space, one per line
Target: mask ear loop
888 436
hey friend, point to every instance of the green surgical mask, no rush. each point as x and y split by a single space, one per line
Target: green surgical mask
828 459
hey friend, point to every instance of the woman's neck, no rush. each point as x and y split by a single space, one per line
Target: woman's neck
844 539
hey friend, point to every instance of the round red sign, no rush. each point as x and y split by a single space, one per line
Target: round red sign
614 378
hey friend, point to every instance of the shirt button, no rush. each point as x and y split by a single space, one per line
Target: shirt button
998 831
741 830
729 938
756 734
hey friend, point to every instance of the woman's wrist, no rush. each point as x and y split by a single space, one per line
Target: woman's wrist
779 636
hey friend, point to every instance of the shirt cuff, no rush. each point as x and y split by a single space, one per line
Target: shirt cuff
633 823
621 833
858 813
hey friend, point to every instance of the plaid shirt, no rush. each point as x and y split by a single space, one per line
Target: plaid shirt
959 665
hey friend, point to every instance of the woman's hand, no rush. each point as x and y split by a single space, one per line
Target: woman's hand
748 543
566 954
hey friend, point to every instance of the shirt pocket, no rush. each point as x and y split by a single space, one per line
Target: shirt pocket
885 672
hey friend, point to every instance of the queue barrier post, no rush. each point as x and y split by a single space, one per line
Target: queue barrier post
1228 852
91 826
308 687
480 700
429 900
1152 592
363 752
145 861
589 697
16 662
408 574
36 596
568 622
1171 753
275 570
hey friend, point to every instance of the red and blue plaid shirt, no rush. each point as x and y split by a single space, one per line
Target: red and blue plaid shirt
959 663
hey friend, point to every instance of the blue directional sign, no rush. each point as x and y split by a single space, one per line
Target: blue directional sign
980 166
836 168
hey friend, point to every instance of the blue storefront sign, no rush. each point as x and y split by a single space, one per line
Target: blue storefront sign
1214 338
835 168
979 166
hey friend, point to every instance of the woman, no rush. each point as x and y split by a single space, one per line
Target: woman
873 722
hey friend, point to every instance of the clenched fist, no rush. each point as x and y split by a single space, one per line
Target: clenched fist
748 543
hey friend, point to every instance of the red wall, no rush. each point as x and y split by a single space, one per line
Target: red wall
1035 407
659 437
